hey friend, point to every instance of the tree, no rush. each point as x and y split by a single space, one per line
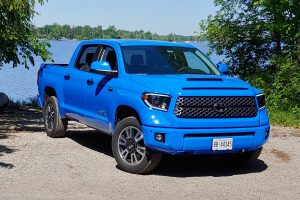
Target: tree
56 31
261 42
111 32
18 38
250 33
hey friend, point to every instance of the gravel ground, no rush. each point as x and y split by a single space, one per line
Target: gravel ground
81 166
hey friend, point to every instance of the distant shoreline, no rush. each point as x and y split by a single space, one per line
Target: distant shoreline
67 32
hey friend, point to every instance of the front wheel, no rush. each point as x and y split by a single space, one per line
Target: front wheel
249 157
129 149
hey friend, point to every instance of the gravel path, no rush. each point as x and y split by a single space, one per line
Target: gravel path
81 166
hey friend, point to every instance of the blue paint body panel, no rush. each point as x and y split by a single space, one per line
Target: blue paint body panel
96 105
192 140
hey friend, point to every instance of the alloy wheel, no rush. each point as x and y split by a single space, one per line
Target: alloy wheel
50 116
131 145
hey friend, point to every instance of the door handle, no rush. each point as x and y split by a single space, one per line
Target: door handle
67 77
90 82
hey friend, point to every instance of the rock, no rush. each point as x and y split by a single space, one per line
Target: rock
4 100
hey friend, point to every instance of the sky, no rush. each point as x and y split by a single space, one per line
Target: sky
158 16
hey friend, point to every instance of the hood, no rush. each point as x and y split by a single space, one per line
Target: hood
193 84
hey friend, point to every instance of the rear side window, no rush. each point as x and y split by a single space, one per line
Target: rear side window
86 56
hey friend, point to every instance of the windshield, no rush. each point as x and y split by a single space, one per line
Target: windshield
166 60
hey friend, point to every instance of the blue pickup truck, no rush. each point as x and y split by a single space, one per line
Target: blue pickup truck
154 98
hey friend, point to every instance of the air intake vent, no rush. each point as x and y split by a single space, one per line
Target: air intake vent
204 79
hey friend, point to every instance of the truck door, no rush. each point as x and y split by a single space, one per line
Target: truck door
99 94
75 83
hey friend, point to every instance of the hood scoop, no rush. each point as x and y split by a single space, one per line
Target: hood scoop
204 79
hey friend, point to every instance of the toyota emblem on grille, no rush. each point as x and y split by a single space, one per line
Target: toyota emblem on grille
220 107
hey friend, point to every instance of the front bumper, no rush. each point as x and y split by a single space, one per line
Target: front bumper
199 141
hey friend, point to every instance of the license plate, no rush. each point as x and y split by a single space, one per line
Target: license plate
220 144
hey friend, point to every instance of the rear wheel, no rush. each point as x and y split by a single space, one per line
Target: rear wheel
129 149
55 126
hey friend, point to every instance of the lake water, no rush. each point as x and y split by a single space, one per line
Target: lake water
20 83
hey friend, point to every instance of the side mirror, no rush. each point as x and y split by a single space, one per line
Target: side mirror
223 68
102 67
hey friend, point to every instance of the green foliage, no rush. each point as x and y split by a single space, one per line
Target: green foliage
289 118
29 102
56 31
283 87
261 42
18 39
286 93
249 33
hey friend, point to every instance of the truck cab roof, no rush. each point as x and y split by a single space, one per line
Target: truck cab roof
135 42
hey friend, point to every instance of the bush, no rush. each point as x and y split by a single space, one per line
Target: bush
30 102
282 90
286 93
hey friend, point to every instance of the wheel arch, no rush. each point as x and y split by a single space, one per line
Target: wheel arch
49 91
123 111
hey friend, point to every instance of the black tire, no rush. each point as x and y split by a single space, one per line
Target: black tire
147 163
249 157
51 115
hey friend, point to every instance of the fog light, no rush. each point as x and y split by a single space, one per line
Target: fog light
267 132
160 137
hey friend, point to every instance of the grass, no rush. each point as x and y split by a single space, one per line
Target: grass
284 118
30 102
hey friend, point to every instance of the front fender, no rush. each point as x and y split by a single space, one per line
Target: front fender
132 97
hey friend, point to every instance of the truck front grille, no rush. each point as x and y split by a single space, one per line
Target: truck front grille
215 107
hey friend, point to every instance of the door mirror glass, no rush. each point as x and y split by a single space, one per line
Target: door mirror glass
223 68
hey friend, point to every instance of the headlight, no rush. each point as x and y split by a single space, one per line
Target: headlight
157 101
261 100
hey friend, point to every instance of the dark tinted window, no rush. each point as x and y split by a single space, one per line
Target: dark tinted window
110 56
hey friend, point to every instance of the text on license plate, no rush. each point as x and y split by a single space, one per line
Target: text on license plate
222 144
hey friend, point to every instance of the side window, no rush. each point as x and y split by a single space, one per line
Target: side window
110 56
85 58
